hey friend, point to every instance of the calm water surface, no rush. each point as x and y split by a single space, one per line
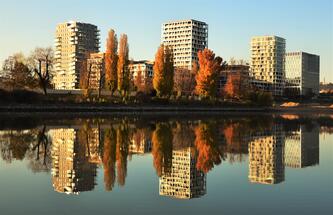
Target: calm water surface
269 164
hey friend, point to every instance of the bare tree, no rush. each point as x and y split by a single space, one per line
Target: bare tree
41 62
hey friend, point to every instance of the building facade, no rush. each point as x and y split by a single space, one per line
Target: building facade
234 81
302 73
186 38
184 181
302 148
146 69
266 163
71 170
268 63
96 70
73 42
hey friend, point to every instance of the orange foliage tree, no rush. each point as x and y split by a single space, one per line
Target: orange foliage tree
122 66
210 151
162 148
207 76
163 71
109 158
122 153
111 58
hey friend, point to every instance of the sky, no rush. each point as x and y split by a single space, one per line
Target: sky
307 25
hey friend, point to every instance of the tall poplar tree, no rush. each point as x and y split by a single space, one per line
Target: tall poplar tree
122 66
111 59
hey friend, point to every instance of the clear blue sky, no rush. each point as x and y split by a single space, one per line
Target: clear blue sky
307 25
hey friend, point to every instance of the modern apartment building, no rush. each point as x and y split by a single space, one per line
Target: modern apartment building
302 73
184 181
96 69
71 170
73 42
186 38
302 148
266 163
267 63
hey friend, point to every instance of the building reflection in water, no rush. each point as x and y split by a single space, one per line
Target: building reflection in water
266 164
302 148
72 170
183 181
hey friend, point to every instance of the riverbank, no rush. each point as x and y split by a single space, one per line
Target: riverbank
77 108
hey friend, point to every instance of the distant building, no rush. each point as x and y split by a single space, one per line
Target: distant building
184 181
266 163
267 63
96 69
302 73
186 38
146 68
71 170
238 75
302 148
73 41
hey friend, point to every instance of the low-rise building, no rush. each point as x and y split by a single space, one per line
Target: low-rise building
96 70
145 70
234 81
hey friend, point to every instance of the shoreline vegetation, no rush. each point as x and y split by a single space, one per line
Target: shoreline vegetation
31 101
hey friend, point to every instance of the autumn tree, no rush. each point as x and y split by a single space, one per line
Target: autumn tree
162 148
163 71
109 158
85 74
207 76
111 59
122 152
41 63
122 65
210 150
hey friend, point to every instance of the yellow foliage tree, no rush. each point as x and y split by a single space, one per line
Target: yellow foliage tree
122 66
111 58
163 71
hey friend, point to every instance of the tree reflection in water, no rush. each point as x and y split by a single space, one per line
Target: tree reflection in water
206 142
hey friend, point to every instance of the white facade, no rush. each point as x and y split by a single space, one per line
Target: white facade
267 63
145 67
302 73
73 42
186 38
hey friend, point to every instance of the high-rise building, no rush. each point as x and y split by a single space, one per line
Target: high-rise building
71 170
267 63
96 69
186 38
73 43
266 157
302 73
302 148
183 181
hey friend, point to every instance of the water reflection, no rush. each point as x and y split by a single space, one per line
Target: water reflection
183 151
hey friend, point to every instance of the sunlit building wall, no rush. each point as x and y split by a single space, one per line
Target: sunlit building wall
186 38
184 181
302 73
266 164
302 148
96 69
71 171
268 63
73 42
